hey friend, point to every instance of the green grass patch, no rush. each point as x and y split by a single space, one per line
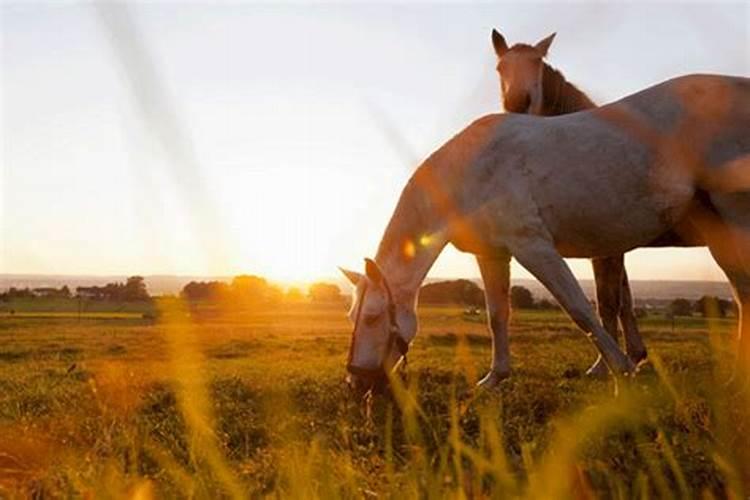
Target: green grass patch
253 403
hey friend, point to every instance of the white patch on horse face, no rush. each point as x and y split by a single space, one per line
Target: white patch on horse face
371 332
521 76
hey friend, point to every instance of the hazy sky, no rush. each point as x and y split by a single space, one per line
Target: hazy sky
302 124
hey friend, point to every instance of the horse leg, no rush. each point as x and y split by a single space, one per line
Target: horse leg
741 286
496 277
730 247
614 300
725 227
608 273
540 258
634 346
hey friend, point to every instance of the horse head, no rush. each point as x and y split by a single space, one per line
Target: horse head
382 330
521 70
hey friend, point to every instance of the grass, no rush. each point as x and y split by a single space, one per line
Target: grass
253 404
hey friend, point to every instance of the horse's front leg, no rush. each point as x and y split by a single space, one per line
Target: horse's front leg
496 277
539 256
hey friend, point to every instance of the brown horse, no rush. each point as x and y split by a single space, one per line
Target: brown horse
529 85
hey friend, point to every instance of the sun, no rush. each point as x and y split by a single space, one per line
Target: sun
288 225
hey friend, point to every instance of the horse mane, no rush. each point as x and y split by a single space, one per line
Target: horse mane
561 96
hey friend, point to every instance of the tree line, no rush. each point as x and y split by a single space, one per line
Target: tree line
255 290
132 290
249 290
468 293
708 306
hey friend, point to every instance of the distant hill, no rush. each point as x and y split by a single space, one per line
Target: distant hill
170 284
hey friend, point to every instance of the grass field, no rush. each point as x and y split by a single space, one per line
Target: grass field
252 404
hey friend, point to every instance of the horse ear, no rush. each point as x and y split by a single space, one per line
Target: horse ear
353 276
373 271
543 46
498 42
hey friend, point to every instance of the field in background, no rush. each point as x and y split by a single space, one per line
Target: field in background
193 403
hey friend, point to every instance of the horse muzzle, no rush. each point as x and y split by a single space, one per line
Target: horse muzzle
363 380
517 103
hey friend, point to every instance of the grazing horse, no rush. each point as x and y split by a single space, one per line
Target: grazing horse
529 85
590 184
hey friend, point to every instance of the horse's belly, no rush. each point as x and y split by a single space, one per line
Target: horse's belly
611 214
581 238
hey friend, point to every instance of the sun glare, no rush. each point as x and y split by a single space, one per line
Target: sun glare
288 223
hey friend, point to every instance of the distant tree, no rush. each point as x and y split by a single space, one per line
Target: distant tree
65 292
274 294
640 312
90 292
521 298
249 288
547 304
205 290
681 307
193 290
294 294
134 290
710 306
459 292
324 292
20 293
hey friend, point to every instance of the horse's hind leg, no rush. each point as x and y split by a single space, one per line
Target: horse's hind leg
540 258
608 273
614 301
733 256
634 345
729 242
496 277
728 238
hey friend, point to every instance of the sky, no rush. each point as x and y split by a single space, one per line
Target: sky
275 139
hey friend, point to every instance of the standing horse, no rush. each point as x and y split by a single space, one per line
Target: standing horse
529 85
590 184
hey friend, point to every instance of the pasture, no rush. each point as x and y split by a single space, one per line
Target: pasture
250 404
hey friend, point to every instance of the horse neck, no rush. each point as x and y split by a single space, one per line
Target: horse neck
412 242
560 96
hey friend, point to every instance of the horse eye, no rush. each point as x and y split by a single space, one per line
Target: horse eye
371 319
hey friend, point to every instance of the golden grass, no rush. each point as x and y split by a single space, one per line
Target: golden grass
253 404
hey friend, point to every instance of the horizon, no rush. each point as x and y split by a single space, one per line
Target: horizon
331 277
299 132
160 285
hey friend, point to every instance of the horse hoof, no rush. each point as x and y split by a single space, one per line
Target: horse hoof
492 379
598 369
638 358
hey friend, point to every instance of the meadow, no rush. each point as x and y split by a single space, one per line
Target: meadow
199 404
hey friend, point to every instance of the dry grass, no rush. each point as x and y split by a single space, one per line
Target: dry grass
253 404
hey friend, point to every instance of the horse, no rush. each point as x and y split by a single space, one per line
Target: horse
675 156
528 84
